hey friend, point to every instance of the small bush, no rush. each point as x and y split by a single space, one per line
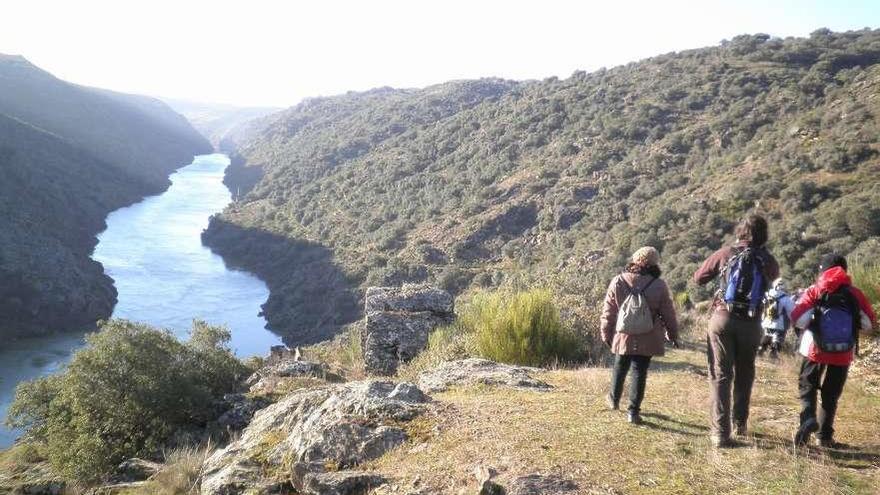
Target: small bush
126 394
520 328
866 276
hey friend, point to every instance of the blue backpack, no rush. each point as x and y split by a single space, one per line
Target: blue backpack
835 322
743 284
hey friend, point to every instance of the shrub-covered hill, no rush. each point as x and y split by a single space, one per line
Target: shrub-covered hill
68 156
481 183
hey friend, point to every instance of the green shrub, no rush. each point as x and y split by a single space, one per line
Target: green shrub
866 276
126 394
520 327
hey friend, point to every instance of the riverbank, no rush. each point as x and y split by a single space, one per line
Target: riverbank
163 275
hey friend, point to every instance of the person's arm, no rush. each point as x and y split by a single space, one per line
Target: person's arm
667 313
609 312
868 318
710 268
803 310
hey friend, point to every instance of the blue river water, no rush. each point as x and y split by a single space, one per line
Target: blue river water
164 275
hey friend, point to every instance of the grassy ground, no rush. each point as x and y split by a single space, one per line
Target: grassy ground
569 431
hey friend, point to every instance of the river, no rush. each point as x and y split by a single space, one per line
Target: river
164 275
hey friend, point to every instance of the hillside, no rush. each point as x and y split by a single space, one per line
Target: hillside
525 425
486 183
214 120
68 156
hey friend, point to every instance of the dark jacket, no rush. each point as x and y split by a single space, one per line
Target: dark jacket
660 302
711 268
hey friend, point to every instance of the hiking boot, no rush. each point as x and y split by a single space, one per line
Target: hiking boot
721 442
741 430
634 418
612 404
806 429
828 443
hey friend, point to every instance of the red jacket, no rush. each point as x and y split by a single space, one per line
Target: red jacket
829 281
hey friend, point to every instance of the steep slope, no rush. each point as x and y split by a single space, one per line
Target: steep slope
68 156
554 182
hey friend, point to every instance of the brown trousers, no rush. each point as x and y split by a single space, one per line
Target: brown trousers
732 347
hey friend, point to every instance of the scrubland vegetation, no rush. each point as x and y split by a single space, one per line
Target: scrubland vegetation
489 183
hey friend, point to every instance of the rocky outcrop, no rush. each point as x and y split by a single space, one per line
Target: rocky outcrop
135 469
536 484
271 377
475 371
398 322
314 431
238 410
341 483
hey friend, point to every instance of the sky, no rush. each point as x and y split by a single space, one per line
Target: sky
275 53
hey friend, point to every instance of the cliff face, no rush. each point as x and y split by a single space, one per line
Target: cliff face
555 182
68 156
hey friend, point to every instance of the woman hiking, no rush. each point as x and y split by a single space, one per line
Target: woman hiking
637 317
744 270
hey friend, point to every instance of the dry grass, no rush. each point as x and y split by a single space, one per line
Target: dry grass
343 354
180 474
569 431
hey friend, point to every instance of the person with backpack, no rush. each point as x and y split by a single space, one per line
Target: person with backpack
777 317
831 313
734 334
637 318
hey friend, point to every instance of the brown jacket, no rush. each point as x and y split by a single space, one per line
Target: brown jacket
660 302
711 268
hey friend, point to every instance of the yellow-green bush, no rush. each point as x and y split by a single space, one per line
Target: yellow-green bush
520 327
866 276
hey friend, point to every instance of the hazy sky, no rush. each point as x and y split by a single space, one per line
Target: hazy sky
277 52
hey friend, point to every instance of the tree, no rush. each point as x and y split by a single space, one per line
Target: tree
125 394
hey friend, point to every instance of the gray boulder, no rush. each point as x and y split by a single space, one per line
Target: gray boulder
238 410
536 484
409 299
394 338
135 469
342 425
265 379
475 371
398 322
341 483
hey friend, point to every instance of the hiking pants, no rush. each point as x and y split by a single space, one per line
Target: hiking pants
830 380
622 364
732 347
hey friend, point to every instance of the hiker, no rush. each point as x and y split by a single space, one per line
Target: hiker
777 318
831 313
734 334
637 318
